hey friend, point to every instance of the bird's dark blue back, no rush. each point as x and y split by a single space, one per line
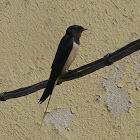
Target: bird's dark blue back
62 53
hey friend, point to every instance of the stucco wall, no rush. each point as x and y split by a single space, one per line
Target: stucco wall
104 105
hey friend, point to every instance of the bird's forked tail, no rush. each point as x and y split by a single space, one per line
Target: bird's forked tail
49 88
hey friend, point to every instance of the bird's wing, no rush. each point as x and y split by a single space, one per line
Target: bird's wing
62 54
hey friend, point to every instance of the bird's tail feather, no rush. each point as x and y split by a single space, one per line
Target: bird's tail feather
49 88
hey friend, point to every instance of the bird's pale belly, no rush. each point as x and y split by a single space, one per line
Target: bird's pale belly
71 57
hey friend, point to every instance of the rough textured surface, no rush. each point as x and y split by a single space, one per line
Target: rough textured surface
30 32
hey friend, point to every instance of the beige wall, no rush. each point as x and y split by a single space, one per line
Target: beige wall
104 105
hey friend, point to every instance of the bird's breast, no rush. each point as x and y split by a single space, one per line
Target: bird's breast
71 57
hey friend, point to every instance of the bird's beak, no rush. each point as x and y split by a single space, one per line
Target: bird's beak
84 29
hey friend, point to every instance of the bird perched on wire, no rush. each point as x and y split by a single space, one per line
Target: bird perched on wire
65 55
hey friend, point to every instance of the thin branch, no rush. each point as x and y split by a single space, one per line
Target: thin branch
107 60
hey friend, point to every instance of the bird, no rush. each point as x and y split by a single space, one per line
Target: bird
65 55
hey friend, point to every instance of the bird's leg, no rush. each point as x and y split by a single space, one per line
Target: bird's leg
69 71
60 81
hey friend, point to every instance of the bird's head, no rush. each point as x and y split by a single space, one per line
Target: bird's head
75 31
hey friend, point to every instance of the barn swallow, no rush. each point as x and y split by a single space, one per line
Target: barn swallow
65 55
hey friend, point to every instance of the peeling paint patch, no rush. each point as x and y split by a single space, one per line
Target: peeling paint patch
138 84
61 118
97 97
116 98
7 2
133 35
136 60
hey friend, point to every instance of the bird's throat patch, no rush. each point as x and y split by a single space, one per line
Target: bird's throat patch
79 34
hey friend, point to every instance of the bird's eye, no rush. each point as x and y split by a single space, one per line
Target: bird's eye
79 29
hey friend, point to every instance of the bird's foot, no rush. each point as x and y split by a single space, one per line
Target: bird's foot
69 71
